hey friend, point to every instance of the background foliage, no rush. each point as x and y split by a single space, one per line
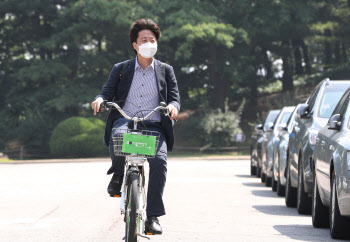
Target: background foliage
78 137
56 55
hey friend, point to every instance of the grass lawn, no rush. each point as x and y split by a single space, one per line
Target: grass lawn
5 160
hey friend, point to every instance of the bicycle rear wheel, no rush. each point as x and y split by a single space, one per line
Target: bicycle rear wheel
131 227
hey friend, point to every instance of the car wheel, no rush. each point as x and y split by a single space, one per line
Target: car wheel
291 192
262 175
258 170
274 183
280 188
320 213
303 200
268 181
252 168
338 224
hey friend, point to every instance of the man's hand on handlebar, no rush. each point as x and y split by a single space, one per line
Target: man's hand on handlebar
95 105
173 111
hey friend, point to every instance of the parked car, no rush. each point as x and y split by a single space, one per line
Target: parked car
269 144
253 148
282 119
279 170
332 172
263 146
257 139
311 117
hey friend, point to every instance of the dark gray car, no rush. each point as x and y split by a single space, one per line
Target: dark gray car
264 150
256 140
312 116
332 172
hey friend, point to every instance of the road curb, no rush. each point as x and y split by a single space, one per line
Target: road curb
86 160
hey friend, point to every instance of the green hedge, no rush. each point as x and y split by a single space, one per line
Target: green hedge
78 137
211 128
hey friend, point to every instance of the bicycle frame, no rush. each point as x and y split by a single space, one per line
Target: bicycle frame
135 165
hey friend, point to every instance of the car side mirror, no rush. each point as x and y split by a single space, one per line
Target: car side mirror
269 126
334 122
303 111
258 127
282 127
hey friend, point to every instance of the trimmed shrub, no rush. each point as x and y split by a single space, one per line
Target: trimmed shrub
78 137
214 128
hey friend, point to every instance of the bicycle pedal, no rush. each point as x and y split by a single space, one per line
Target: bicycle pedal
114 195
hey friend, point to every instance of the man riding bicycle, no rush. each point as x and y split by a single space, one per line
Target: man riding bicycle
139 85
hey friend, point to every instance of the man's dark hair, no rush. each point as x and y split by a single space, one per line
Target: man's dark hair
140 25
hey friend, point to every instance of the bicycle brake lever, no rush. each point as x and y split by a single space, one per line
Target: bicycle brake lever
167 114
103 107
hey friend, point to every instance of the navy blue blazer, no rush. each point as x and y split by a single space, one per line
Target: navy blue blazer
117 90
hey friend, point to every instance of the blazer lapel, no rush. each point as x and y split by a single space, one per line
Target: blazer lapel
125 82
160 77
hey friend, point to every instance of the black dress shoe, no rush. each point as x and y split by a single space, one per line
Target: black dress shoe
115 185
152 226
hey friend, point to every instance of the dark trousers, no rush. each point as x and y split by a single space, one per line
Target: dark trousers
157 165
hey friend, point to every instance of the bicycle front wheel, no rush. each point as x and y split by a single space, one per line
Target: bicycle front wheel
131 214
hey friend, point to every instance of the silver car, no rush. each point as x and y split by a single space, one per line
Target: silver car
311 117
286 137
332 172
264 147
272 142
279 132
256 140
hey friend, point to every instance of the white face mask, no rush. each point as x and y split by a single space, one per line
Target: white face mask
147 50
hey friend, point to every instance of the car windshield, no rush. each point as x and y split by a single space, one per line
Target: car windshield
271 118
291 119
329 101
285 117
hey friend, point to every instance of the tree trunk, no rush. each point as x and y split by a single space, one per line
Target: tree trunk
337 52
327 49
267 64
74 54
219 83
287 58
254 93
250 112
297 58
306 56
343 52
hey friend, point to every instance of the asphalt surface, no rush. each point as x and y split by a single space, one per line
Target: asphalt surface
206 200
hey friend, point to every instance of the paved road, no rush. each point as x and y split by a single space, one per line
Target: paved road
206 200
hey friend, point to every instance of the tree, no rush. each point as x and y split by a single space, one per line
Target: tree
200 35
53 56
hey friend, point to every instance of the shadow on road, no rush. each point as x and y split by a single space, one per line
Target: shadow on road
304 232
264 193
245 176
255 184
280 210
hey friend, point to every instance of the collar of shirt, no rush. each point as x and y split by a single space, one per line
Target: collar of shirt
137 65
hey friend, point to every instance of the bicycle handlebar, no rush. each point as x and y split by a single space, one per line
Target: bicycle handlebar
161 107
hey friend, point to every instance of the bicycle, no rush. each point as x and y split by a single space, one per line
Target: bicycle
137 146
